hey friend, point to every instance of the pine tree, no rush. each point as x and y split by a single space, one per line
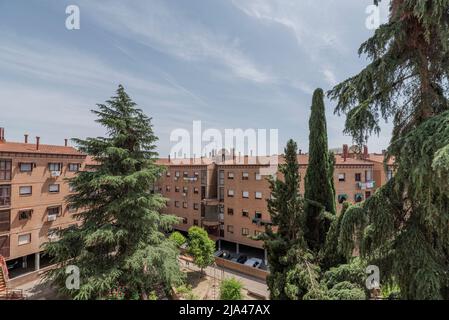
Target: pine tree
319 188
121 244
293 274
404 227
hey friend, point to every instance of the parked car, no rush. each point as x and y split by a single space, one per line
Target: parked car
253 262
224 254
13 265
242 259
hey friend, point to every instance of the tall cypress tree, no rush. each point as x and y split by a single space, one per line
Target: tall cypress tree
293 275
405 225
121 245
319 190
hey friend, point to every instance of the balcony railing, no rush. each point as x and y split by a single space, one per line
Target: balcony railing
365 185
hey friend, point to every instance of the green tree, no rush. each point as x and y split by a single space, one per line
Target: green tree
201 247
293 273
178 238
404 227
121 245
319 189
231 289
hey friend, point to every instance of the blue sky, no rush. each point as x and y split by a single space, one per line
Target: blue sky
231 64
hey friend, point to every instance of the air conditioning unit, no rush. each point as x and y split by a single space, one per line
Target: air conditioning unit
52 217
55 173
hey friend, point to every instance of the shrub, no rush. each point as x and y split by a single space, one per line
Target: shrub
231 289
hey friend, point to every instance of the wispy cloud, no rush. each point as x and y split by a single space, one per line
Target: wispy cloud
164 30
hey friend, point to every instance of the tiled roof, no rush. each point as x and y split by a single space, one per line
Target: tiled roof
16 147
379 158
303 159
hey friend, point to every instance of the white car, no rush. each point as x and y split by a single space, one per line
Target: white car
253 262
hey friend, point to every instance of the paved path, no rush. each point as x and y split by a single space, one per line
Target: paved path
250 283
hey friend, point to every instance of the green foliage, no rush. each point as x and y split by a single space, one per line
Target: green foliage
404 227
121 245
231 289
346 281
293 272
201 247
178 238
319 188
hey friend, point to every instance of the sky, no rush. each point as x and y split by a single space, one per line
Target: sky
227 63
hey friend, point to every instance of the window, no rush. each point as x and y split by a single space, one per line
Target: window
358 177
258 195
230 229
177 204
196 174
245 194
25 190
177 189
53 213
25 167
185 205
5 169
389 174
195 222
53 188
185 220
245 213
74 167
367 194
342 198
177 174
258 176
25 214
245 176
341 177
258 215
196 206
71 188
245 231
221 208
221 194
257 232
71 209
185 189
196 190
167 188
4 220
230 193
203 176
368 175
221 178
167 174
5 195
230 175
230 211
186 174
24 239
358 197
54 166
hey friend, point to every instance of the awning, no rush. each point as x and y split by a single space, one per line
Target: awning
211 223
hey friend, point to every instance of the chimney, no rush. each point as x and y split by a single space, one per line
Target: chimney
300 152
365 152
233 154
345 152
66 142
169 159
2 134
37 142
223 157
26 137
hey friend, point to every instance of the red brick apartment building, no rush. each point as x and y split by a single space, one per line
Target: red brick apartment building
32 191
225 195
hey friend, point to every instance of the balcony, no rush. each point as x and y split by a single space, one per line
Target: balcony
261 222
5 196
365 185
